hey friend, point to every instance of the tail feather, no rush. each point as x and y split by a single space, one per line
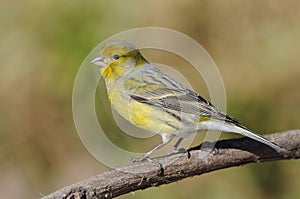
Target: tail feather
217 125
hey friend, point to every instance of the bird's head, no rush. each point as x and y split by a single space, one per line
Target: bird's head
118 58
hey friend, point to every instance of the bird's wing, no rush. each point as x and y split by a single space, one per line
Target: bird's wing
166 93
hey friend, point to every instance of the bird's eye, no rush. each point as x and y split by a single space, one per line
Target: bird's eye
116 57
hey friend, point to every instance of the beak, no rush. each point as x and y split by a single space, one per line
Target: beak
99 61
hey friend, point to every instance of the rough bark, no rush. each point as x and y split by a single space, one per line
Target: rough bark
172 168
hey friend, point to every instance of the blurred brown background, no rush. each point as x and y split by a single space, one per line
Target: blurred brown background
42 44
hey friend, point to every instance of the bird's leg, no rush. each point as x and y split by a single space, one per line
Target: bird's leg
175 147
146 155
165 139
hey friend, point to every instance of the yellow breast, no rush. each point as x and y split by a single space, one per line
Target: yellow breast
142 115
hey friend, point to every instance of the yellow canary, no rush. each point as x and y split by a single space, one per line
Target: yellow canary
150 99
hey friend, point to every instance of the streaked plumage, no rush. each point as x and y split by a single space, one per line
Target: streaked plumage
152 100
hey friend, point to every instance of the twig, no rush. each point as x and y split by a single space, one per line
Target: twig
168 169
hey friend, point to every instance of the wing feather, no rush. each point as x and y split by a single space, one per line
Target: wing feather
169 94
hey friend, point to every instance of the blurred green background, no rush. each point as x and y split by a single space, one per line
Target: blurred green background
42 44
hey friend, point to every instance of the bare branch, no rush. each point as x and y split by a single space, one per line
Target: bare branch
168 169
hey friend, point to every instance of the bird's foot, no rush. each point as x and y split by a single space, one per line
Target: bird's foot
176 150
160 170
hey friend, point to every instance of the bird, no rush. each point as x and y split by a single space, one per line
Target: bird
150 99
